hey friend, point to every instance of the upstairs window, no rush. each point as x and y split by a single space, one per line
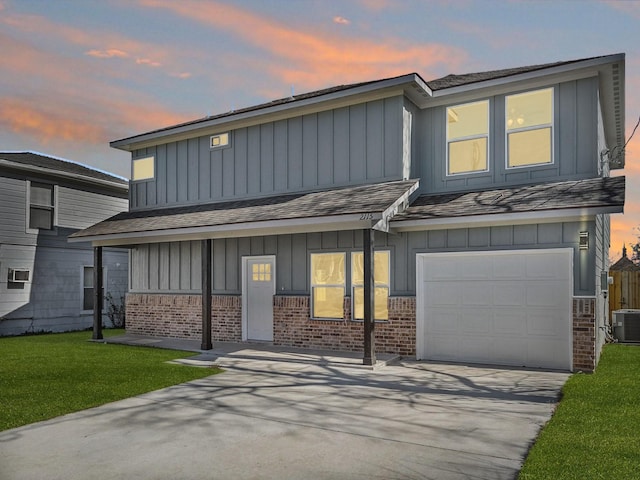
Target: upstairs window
529 118
41 206
327 285
381 280
467 138
143 168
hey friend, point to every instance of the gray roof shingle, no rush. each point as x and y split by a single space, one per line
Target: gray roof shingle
58 165
374 198
448 81
587 193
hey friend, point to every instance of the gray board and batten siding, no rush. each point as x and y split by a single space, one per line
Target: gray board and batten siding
352 145
174 267
575 144
362 143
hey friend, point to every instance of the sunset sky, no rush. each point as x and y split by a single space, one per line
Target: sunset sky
77 74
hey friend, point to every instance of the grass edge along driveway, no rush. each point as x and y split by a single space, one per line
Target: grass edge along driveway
44 376
594 432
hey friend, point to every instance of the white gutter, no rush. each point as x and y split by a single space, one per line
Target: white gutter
391 85
498 219
247 229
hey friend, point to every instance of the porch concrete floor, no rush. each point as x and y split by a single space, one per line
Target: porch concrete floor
228 353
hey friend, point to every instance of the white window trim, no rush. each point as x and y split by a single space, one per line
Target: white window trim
104 286
27 217
376 285
311 285
525 129
470 137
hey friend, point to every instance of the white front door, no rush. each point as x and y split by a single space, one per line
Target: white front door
258 288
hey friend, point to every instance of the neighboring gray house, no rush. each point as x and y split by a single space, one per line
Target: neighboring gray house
46 283
489 195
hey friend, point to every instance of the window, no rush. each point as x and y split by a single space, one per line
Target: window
529 118
87 288
261 272
327 285
41 206
143 168
467 138
220 140
381 280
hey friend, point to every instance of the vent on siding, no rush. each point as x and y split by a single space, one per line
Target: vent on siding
626 325
219 141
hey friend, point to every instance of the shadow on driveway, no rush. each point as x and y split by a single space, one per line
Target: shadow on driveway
297 420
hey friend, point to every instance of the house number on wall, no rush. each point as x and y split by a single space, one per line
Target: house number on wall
366 216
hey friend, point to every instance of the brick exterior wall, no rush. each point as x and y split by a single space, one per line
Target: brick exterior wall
584 334
180 316
226 318
293 326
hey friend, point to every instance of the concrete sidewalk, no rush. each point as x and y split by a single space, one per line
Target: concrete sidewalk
227 353
265 418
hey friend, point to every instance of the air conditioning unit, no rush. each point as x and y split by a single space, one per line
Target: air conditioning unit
626 325
19 275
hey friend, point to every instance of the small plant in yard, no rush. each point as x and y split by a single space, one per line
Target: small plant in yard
115 310
594 433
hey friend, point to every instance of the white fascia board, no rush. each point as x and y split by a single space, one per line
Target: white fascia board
525 218
249 229
396 207
59 173
533 79
370 91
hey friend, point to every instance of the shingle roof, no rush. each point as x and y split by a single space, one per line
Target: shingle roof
449 81
362 199
588 193
58 165
624 265
468 78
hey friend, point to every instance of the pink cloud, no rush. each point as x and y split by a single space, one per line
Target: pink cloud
312 59
71 99
96 43
146 61
377 5
628 7
21 117
341 20
61 120
109 53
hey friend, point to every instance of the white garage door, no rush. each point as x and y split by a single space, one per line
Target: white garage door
503 307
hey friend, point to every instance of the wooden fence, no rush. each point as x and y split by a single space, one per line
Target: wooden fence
625 291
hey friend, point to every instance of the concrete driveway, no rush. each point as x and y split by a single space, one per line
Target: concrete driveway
265 418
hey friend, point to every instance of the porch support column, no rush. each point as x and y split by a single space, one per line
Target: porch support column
206 295
97 293
369 324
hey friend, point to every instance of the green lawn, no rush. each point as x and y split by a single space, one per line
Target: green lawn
44 376
595 432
